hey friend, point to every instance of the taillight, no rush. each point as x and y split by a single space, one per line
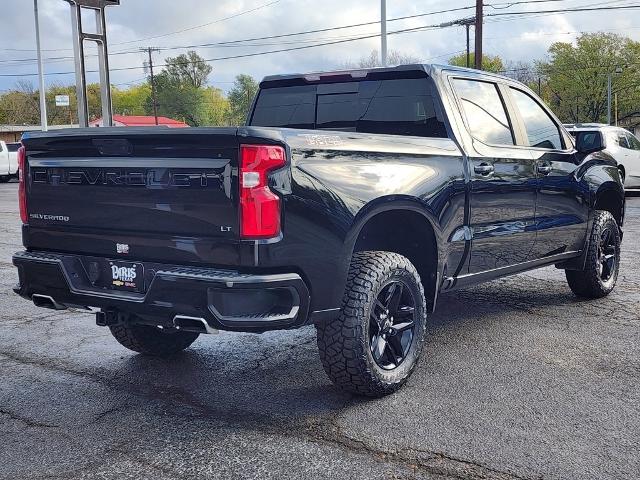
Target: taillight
22 191
259 206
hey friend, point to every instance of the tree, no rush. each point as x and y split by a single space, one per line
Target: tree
216 107
240 98
179 89
189 69
178 101
132 101
372 60
490 63
577 76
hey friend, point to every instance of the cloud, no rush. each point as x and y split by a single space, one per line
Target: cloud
131 25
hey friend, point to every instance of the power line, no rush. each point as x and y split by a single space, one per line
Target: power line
254 54
352 39
199 26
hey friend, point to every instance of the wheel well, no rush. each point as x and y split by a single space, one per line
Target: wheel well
613 202
408 233
623 172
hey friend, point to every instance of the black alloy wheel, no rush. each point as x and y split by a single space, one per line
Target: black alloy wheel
607 258
391 325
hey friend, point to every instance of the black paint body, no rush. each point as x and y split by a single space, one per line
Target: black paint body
172 197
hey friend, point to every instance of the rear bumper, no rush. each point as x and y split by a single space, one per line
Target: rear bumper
225 299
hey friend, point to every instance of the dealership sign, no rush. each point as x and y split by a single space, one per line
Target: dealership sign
62 100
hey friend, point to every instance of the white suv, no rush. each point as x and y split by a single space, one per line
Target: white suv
621 145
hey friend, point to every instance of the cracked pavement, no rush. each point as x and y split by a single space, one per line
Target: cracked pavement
518 380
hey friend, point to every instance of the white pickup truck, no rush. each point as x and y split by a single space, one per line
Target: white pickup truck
8 161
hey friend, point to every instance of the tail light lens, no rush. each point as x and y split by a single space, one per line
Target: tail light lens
259 206
22 190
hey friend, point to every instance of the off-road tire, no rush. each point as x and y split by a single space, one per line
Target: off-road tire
588 283
343 343
150 340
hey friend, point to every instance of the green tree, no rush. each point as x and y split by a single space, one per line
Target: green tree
240 98
132 101
189 69
576 76
179 89
490 63
216 107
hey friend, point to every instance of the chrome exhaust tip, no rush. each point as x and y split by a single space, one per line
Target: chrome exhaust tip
45 301
193 324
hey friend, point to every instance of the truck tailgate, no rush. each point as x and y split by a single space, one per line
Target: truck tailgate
163 182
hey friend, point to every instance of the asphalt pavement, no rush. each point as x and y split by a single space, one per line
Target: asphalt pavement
518 380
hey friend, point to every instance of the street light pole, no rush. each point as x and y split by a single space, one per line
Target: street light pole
43 93
609 98
383 32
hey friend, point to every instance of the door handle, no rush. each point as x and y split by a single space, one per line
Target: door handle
544 169
483 169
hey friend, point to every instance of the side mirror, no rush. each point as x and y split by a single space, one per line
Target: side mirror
589 142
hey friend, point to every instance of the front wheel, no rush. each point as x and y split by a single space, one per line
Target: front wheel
600 274
374 344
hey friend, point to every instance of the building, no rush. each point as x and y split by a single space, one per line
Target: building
140 121
13 133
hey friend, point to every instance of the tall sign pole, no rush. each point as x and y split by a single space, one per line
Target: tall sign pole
100 38
43 92
383 32
478 49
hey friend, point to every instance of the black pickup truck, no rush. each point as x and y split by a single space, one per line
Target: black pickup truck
350 200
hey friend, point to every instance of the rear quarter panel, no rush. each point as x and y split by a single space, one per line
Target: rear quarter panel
340 180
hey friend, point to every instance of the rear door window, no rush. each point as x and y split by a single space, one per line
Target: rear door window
484 111
393 107
542 131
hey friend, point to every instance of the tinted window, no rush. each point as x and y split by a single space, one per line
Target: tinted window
13 147
291 107
484 111
1 148
587 139
395 107
542 131
633 142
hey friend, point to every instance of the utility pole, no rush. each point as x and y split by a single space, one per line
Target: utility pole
468 26
383 32
154 99
615 108
478 49
43 92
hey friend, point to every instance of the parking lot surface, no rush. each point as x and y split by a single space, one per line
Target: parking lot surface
518 380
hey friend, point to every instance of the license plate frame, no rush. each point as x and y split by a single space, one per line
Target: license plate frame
124 276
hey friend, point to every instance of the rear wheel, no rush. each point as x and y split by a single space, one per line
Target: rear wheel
600 274
5 178
151 340
373 346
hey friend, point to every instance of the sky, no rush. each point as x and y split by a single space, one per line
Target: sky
174 25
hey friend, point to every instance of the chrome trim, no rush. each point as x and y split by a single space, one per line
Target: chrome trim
207 328
53 304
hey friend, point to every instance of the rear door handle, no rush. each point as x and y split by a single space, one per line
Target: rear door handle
483 169
544 169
